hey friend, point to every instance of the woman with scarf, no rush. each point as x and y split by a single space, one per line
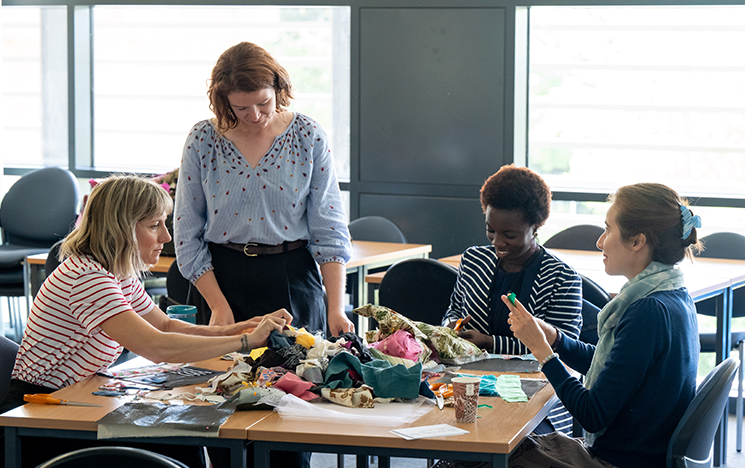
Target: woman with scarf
641 376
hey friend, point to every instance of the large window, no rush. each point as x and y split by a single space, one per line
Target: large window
33 104
149 67
619 95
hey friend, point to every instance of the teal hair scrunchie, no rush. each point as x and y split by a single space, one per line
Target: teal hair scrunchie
690 221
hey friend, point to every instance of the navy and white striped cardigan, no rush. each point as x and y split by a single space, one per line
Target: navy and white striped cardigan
555 296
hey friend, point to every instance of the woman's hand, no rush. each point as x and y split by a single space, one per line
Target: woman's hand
248 326
339 323
267 324
476 337
526 328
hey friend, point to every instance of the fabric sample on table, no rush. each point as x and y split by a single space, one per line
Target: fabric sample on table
277 340
504 364
400 344
393 360
386 381
529 386
355 344
291 383
293 355
160 420
508 387
352 397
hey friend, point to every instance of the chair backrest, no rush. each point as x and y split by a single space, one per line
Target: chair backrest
418 288
728 245
692 441
580 237
593 293
177 287
589 331
112 457
723 245
376 229
8 351
39 209
52 261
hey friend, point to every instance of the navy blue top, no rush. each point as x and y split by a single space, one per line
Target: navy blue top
648 381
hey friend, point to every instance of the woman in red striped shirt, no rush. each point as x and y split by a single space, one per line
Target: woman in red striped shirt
93 304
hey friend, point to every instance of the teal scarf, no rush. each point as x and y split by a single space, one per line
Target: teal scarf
655 278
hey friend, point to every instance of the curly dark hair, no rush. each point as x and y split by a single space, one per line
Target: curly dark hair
518 188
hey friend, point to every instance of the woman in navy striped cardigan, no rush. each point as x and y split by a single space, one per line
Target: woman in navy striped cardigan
516 202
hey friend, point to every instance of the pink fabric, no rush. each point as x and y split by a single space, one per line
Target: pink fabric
400 344
291 383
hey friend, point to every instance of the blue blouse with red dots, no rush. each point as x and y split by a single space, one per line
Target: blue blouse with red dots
291 194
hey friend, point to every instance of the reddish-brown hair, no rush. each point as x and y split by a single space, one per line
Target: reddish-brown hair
245 67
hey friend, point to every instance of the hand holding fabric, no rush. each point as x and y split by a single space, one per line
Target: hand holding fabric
527 329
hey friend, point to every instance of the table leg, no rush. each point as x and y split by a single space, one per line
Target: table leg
12 448
261 455
499 460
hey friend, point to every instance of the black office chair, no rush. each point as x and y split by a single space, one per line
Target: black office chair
593 293
589 331
112 457
594 298
691 443
728 245
38 210
8 351
580 237
376 229
418 288
52 261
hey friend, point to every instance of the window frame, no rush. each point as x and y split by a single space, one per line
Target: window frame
80 60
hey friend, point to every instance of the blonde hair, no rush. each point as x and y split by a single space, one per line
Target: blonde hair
107 231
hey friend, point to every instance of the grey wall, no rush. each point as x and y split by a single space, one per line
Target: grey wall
432 125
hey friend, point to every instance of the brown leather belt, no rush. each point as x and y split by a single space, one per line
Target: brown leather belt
252 249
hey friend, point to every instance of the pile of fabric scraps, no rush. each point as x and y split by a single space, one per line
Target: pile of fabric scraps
342 370
417 341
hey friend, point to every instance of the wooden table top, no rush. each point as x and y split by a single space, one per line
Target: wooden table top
498 430
164 263
83 418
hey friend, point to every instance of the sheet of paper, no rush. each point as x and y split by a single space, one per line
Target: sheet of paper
421 432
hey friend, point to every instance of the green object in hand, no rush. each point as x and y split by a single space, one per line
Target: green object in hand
511 297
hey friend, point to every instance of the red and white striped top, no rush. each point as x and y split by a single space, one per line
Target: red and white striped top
63 343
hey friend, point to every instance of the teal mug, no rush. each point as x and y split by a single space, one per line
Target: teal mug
187 313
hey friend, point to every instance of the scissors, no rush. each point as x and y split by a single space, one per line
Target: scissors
47 399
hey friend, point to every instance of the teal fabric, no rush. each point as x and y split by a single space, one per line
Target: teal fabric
386 380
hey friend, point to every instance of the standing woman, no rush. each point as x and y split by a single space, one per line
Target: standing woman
258 204
93 304
641 376
516 202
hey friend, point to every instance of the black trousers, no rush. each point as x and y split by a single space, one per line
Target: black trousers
259 285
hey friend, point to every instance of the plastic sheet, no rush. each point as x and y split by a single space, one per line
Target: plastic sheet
387 414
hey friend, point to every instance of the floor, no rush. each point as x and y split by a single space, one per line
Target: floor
323 460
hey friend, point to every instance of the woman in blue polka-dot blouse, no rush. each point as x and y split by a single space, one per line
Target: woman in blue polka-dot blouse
258 206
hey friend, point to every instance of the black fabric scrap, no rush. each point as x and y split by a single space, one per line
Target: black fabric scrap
195 418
